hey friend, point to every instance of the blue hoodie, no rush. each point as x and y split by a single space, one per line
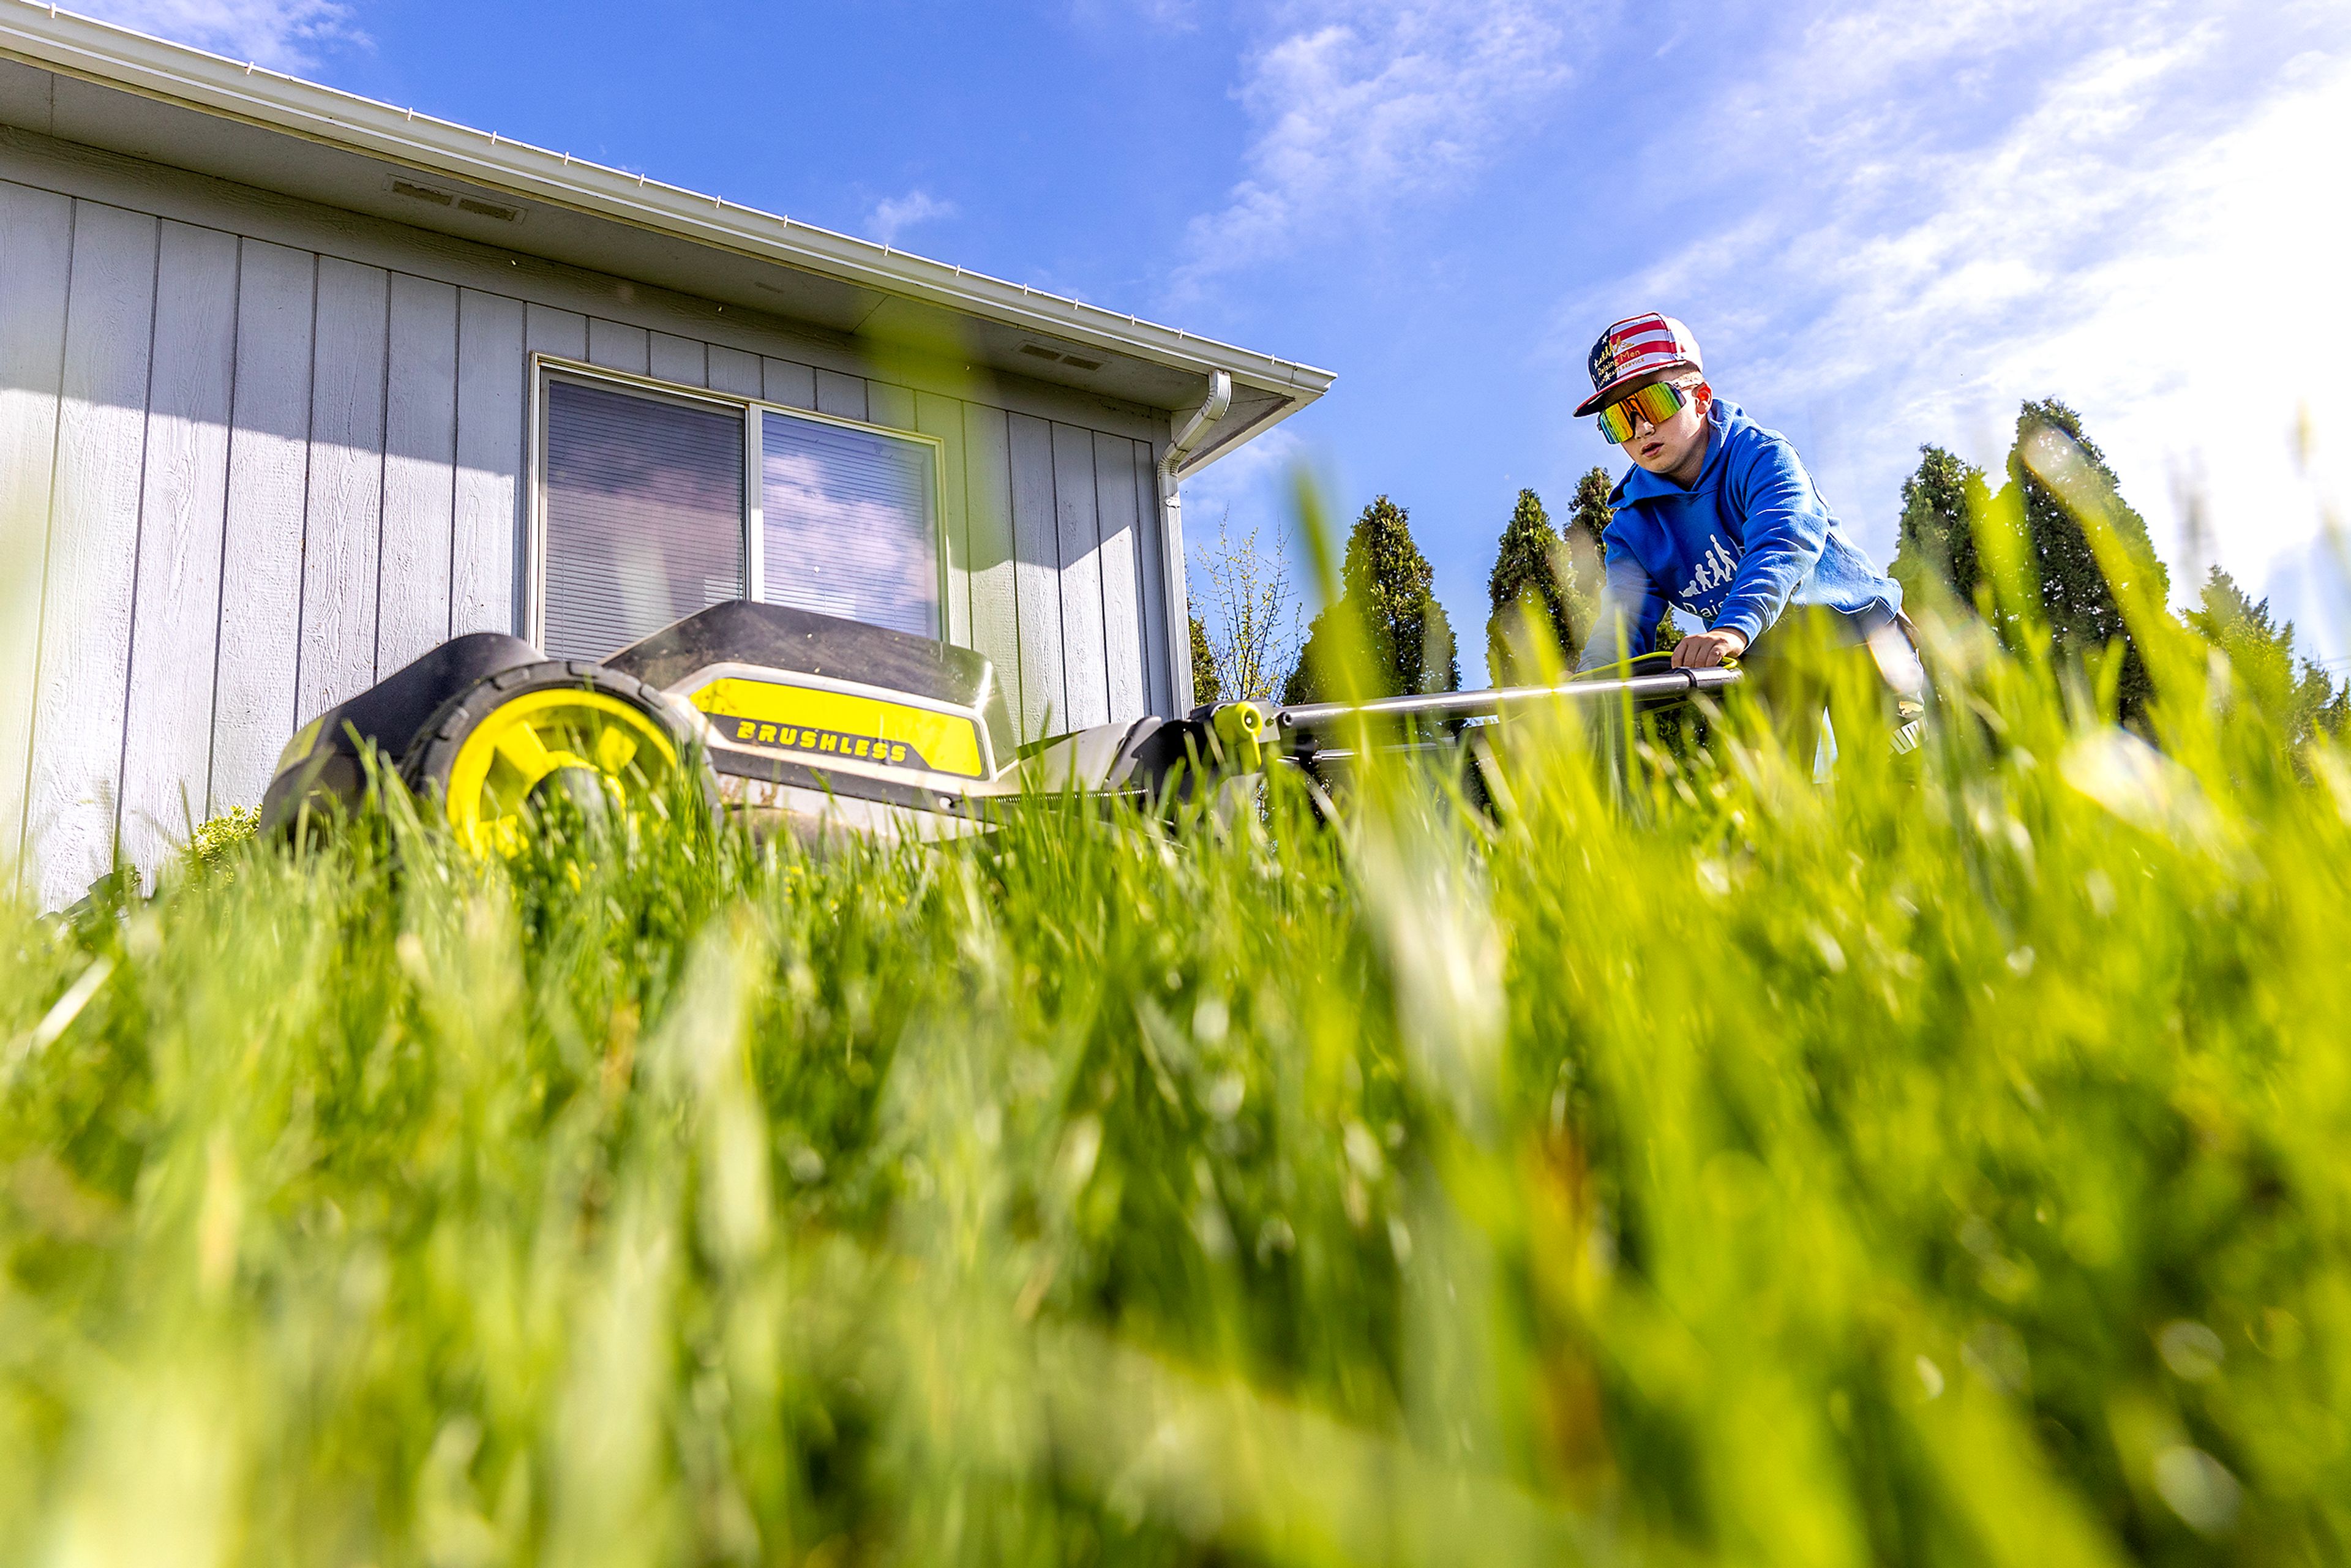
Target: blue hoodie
1749 539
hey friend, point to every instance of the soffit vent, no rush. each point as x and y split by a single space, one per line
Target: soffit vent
476 206
1075 361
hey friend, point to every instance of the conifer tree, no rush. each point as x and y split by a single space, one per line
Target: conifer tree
1937 543
1386 582
2261 655
1945 498
1531 574
1587 550
1587 554
2333 718
2083 613
1587 524
1204 665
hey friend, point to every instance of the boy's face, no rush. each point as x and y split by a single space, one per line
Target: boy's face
1677 446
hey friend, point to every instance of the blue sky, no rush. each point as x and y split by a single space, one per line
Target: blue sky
1886 223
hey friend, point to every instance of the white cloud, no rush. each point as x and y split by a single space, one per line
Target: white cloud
2220 330
1360 105
2148 227
893 216
283 34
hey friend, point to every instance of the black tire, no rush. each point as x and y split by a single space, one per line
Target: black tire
322 775
469 767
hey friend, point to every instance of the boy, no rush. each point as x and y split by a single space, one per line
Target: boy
1720 518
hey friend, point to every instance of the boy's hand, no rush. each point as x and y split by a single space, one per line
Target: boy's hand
1705 650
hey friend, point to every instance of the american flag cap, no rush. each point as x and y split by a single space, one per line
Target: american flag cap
1633 353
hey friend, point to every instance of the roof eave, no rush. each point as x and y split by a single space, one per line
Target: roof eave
118 57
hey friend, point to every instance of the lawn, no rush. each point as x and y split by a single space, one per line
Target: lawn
1687 1163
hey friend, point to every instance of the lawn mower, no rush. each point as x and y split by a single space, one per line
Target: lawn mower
809 723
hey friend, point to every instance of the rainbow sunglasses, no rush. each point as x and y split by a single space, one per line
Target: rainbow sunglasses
1656 402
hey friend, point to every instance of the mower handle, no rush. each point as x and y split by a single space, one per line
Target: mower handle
1311 716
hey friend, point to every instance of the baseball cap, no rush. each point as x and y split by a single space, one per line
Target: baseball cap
1635 351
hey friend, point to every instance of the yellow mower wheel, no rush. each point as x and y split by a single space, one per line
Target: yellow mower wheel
568 731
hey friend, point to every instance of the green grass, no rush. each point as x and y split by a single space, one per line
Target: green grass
1691 1165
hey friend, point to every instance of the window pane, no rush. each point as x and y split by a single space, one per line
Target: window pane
849 524
645 516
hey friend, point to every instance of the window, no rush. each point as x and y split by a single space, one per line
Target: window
846 524
646 518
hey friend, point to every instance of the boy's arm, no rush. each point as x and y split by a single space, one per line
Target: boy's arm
1630 608
1787 528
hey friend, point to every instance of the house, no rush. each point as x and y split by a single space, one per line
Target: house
295 385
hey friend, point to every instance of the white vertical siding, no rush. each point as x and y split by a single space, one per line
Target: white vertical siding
892 407
420 455
987 503
839 394
1036 579
484 546
734 371
1085 673
242 480
1122 582
792 385
268 469
36 262
943 417
618 348
548 330
81 683
184 505
680 359
342 531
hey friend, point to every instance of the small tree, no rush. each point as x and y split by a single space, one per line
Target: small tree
1531 577
1204 688
2261 655
1386 582
1587 551
2084 613
1946 500
1587 527
1935 548
1251 642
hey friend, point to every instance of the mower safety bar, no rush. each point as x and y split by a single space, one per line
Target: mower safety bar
1673 685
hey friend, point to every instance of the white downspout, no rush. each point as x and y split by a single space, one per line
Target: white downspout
1188 440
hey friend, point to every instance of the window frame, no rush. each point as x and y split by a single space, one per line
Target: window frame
549 368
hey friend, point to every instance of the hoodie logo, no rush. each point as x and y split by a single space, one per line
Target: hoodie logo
1712 574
